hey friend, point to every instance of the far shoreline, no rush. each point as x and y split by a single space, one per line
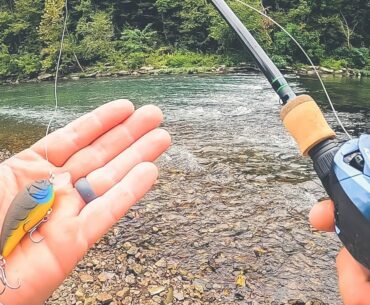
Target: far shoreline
151 71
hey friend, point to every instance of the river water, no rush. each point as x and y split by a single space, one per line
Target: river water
234 194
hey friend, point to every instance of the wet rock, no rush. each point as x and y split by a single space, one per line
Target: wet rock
104 298
86 278
123 293
80 295
123 73
161 263
104 74
105 276
179 295
146 69
326 70
137 268
130 279
45 77
157 299
199 285
169 296
90 301
133 250
154 290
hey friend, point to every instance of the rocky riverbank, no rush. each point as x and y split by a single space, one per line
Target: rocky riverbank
187 249
148 70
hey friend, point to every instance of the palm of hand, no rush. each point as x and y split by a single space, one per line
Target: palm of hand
121 174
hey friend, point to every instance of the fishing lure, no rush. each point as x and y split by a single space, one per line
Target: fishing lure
32 206
29 209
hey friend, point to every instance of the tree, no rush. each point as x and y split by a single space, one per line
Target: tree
96 37
135 40
50 31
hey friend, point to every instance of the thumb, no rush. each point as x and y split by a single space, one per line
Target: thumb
322 216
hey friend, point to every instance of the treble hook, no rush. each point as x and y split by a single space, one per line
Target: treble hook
30 232
4 279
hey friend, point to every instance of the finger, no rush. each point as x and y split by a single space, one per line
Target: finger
63 143
353 280
146 149
115 141
322 216
101 214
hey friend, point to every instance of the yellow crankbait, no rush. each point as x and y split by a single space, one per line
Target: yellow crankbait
28 210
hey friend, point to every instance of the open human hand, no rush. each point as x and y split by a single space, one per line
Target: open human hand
354 279
113 147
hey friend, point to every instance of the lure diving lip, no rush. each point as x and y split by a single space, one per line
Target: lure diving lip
25 212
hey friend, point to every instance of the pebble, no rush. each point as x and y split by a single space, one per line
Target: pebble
161 263
80 295
123 293
102 277
169 297
137 268
104 298
130 279
179 295
86 278
154 290
90 301
157 299
133 250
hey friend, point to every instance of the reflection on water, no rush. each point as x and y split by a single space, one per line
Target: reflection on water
232 183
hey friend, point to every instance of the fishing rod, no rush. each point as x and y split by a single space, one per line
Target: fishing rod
344 169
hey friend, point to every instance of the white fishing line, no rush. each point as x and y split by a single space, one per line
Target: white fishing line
56 81
308 58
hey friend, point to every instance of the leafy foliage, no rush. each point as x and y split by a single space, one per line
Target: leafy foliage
96 37
176 33
136 40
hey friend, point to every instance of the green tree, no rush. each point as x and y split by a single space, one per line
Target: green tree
50 31
221 31
96 37
135 40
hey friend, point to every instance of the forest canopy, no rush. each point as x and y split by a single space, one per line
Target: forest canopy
129 34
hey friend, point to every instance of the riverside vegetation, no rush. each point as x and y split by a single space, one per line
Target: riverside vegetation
184 35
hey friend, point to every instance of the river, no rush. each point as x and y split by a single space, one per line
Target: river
233 197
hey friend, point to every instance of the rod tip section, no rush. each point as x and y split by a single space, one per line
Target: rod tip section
306 123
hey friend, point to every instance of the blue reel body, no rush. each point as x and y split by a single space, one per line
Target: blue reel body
349 187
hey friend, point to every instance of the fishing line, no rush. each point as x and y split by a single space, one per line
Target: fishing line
56 80
308 58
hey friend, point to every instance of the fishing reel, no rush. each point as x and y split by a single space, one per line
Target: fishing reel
345 174
344 171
